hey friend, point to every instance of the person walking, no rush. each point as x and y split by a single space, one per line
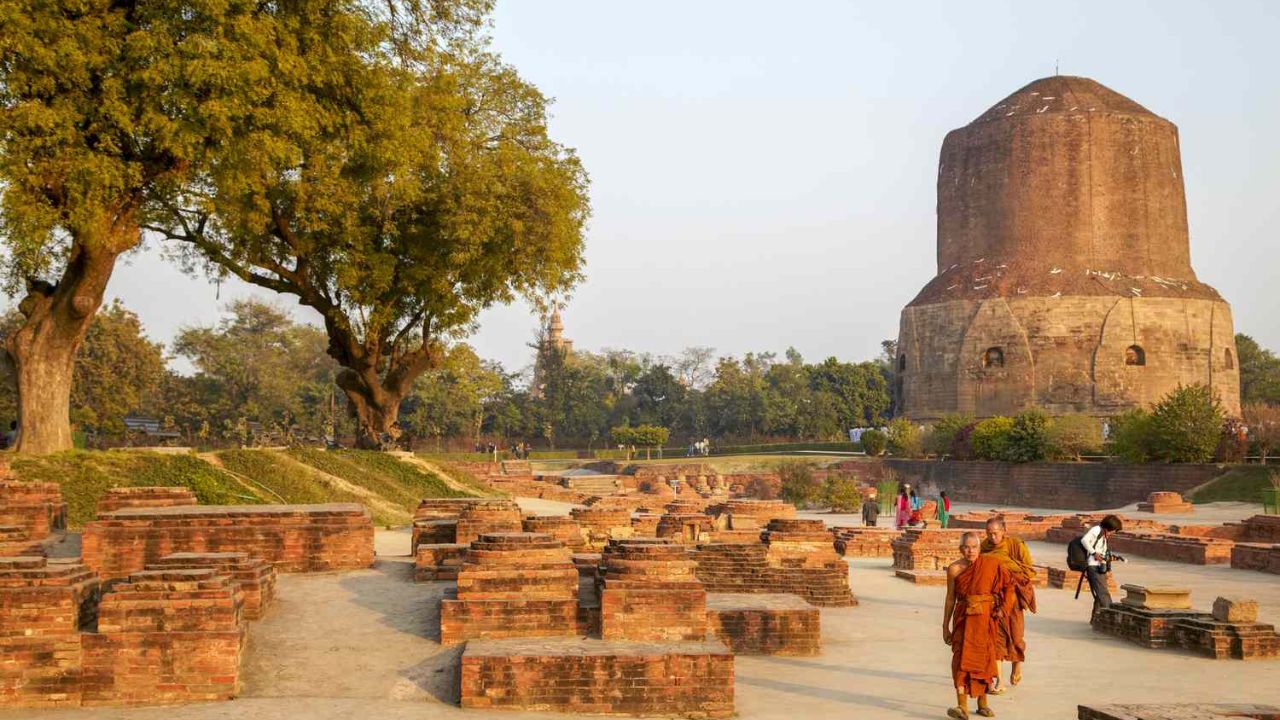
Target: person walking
870 511
944 508
976 600
1014 555
902 508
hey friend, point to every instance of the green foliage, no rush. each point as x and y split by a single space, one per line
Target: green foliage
874 442
905 439
1071 436
1186 425
399 181
282 480
452 400
798 484
886 494
86 475
1130 436
1259 372
840 493
990 438
1028 438
942 434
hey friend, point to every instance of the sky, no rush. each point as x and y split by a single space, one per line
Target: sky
763 173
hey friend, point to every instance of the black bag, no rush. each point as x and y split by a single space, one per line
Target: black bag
1077 555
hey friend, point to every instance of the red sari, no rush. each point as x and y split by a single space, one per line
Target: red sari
980 596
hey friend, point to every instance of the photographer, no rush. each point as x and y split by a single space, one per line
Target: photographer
1095 543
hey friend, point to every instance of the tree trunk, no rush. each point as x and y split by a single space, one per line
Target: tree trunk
43 349
375 410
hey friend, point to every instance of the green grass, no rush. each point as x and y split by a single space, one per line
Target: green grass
1242 483
466 477
85 475
288 482
384 475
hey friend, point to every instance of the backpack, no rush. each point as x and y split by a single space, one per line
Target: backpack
1077 555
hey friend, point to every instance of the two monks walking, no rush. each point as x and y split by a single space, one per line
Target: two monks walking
988 590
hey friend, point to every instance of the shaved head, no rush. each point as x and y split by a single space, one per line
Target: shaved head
996 522
970 536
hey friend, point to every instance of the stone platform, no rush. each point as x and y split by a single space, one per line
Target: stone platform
689 679
1165 503
1162 618
294 538
764 624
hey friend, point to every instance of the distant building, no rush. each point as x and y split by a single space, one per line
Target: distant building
1064 266
551 339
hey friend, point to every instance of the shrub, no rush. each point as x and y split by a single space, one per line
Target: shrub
1264 426
886 494
1130 436
962 443
1071 436
1029 437
799 486
990 438
873 442
764 487
904 439
841 493
1186 425
942 435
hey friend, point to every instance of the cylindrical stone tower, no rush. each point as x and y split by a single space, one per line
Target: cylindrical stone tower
1064 266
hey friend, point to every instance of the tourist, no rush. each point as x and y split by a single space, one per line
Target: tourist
870 511
902 508
1095 543
970 615
706 447
1013 554
944 508
916 502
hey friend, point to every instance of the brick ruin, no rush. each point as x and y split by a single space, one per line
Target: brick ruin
1025 526
1253 544
764 624
796 557
31 514
1165 503
294 538
922 555
867 542
156 611
1161 617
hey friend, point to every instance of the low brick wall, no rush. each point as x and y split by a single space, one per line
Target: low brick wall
145 497
1073 486
1263 557
294 538
764 624
690 679
746 568
43 607
257 578
36 508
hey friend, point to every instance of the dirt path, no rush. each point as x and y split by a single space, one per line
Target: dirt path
439 472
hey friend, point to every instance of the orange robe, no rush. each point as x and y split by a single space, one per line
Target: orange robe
980 596
1016 558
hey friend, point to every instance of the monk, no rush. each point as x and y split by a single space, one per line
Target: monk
976 599
1013 554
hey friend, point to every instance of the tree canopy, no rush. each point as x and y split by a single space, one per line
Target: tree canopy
401 181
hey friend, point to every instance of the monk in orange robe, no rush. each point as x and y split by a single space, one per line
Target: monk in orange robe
1013 554
976 600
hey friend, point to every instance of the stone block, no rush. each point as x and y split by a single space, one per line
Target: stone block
1235 610
1157 597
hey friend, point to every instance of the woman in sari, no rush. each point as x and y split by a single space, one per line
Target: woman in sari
902 508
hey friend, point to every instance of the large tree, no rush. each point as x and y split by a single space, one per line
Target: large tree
106 107
1259 372
401 181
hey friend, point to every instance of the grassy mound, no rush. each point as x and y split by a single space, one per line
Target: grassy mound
1242 483
86 475
389 487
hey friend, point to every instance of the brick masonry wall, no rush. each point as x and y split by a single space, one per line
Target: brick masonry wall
764 624
145 497
1073 486
690 679
43 606
294 538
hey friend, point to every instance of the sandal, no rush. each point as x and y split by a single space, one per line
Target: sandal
957 713
1016 677
986 712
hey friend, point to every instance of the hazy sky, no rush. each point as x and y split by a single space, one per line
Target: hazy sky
762 173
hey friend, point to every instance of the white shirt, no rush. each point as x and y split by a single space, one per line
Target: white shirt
1095 543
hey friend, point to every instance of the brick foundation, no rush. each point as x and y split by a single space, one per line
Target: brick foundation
602 524
764 624
1176 548
649 592
1256 556
145 497
165 636
43 608
487 516
564 529
1180 627
688 528
746 568
256 578
1021 525
864 541
1165 503
512 585
34 507
432 562
294 538
690 679
926 549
